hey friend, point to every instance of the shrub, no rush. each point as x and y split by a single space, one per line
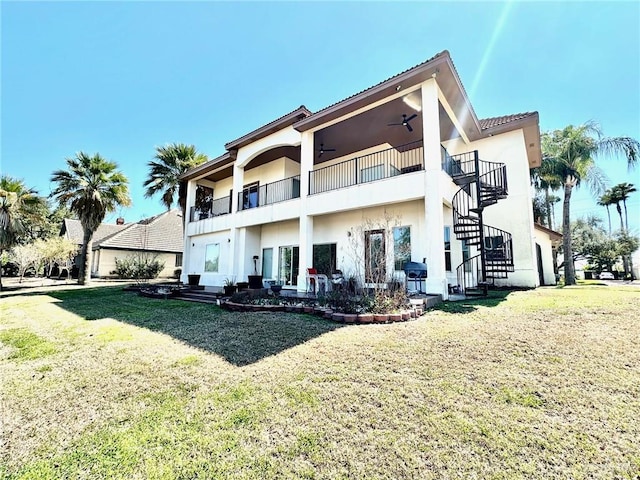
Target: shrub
140 266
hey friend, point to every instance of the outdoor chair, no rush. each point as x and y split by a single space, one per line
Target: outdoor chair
316 282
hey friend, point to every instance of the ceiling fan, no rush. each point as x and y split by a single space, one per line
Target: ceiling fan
405 121
322 150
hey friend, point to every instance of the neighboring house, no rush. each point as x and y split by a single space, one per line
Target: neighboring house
160 235
291 192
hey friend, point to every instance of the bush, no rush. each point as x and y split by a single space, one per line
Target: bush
139 267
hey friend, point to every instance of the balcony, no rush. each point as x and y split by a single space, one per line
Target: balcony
213 208
269 193
368 168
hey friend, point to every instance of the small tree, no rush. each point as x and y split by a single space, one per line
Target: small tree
373 252
26 257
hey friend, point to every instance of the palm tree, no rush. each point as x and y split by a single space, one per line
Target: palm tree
91 187
606 200
170 163
622 192
545 180
19 207
572 151
615 200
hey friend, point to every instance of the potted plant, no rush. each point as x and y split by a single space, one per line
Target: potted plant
242 286
229 286
193 279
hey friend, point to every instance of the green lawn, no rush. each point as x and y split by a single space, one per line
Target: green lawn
101 383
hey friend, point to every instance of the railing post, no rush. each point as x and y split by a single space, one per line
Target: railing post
483 266
355 162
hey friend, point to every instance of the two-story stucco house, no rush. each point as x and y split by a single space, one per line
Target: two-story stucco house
291 192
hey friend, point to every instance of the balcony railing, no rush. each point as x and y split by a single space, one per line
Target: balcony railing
217 207
253 197
368 168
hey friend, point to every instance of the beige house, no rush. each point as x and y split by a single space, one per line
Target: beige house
160 235
289 196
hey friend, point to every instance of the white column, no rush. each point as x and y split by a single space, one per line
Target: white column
236 250
186 248
305 236
434 218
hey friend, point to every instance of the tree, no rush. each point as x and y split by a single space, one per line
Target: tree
18 209
26 257
606 200
91 188
57 250
545 181
571 153
164 173
621 193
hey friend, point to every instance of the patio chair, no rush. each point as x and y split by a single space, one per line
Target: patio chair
317 282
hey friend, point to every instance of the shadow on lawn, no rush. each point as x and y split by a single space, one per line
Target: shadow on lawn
494 298
241 338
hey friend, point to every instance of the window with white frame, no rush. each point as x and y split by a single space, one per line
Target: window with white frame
401 247
212 258
447 248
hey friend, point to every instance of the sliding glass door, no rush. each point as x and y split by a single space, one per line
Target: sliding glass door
288 265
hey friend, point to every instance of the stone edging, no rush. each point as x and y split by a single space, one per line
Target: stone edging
327 313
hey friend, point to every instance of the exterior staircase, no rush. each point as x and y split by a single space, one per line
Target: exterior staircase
482 184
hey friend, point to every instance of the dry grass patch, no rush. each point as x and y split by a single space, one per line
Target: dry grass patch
537 384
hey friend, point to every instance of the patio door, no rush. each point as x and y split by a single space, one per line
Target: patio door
374 256
288 265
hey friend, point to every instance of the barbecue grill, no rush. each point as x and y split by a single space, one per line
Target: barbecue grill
415 272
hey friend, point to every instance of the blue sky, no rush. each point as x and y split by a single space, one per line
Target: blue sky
121 78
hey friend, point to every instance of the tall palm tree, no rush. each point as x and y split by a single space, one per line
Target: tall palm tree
615 200
19 207
572 151
622 191
91 187
606 200
171 161
545 180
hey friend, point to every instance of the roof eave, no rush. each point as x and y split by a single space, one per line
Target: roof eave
531 128
269 128
440 66
221 161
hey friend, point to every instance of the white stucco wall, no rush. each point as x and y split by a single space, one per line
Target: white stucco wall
196 258
513 214
542 239
106 262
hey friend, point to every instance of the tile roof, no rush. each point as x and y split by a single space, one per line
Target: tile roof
162 233
444 52
72 229
487 123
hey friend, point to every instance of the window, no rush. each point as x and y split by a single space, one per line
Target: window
250 196
465 256
324 258
267 262
401 247
211 257
288 265
375 256
447 248
178 260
